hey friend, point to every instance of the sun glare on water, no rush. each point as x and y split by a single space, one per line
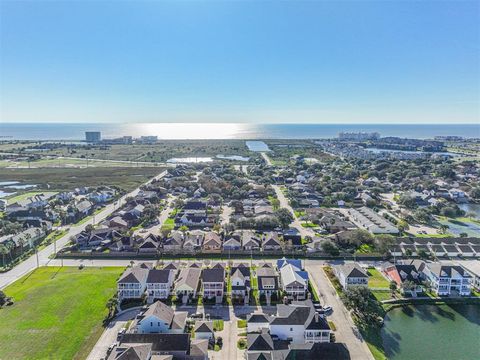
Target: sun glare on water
192 131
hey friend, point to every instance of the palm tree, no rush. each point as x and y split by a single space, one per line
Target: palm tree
3 251
21 242
112 304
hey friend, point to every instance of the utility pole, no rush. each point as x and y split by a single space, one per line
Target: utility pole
36 254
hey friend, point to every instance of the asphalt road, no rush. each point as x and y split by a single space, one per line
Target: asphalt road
43 255
346 332
109 335
296 223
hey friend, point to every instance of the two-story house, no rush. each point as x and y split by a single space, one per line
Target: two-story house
351 275
159 284
448 279
299 323
160 318
213 284
133 283
240 280
268 283
294 282
187 284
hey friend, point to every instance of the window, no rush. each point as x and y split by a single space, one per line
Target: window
291 329
151 323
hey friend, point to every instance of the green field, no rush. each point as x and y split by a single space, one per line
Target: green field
376 280
67 179
57 314
26 195
70 163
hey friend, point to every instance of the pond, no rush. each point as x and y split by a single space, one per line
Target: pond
434 332
457 227
257 146
471 208
233 157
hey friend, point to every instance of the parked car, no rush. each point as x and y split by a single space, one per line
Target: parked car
197 315
327 309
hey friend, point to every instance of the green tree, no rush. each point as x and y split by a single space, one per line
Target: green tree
329 247
284 216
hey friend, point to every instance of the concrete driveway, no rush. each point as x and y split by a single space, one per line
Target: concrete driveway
346 332
109 336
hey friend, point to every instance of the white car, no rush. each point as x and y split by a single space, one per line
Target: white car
327 309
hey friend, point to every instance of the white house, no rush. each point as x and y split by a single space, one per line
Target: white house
204 330
257 322
187 284
351 275
294 282
299 323
160 318
213 284
448 279
159 284
133 283
240 280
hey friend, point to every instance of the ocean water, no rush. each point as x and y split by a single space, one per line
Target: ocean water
75 132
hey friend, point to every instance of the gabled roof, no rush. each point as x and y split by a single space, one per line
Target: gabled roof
188 277
292 315
259 342
295 262
158 276
258 318
164 342
290 275
213 275
204 326
199 347
133 275
136 352
353 270
160 311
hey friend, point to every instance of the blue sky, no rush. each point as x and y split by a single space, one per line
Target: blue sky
198 61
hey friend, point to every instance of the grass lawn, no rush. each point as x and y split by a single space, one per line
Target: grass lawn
377 280
217 325
374 341
66 179
169 224
26 195
57 314
241 324
382 295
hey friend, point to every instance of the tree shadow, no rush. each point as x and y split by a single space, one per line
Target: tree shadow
470 312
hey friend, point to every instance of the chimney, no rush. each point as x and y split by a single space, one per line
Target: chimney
316 317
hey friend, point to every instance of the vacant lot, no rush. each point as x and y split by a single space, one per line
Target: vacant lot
58 313
59 179
377 280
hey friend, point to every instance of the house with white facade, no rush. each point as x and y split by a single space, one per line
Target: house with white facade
159 284
133 283
294 282
473 268
351 275
298 323
268 282
188 283
213 284
448 279
204 330
240 280
160 318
